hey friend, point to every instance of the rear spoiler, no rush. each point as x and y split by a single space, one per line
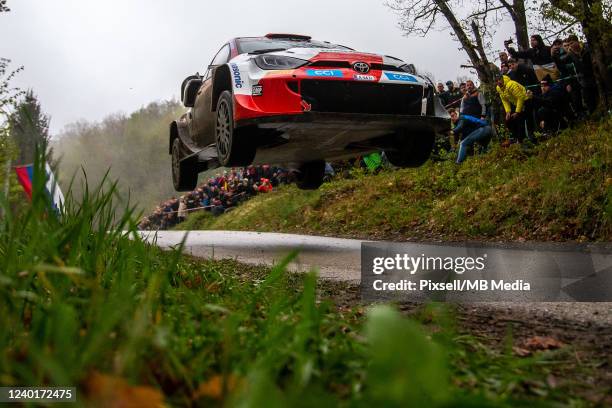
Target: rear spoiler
289 36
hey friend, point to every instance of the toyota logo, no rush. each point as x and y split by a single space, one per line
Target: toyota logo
361 67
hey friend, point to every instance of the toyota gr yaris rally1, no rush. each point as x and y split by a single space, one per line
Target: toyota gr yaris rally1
290 100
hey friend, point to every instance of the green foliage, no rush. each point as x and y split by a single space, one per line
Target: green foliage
8 95
29 128
559 190
134 148
90 304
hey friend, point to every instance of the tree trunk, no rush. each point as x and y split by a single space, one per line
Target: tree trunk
519 16
601 55
483 71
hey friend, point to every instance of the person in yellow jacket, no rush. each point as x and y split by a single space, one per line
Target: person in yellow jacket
517 104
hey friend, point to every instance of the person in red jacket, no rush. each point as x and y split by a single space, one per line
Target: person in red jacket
265 186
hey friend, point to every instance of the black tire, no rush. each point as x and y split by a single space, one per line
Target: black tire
310 175
411 151
235 147
184 172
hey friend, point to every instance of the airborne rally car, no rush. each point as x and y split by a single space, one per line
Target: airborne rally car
290 100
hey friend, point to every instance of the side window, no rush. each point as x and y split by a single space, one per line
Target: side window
221 58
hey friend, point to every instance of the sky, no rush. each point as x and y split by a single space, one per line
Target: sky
86 59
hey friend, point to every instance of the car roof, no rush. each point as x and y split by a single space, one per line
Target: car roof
278 36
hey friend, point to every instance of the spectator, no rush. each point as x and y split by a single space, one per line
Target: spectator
473 102
503 57
517 105
217 207
472 129
182 210
581 58
552 106
560 51
265 186
443 94
504 68
454 96
539 55
523 74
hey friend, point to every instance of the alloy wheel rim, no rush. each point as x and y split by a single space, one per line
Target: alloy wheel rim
223 131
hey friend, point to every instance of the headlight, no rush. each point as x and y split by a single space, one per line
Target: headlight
409 68
278 62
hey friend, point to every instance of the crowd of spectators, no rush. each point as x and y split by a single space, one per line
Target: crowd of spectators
217 195
542 88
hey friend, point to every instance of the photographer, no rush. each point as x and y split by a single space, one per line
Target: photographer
540 56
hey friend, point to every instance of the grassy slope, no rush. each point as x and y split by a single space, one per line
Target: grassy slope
129 325
562 190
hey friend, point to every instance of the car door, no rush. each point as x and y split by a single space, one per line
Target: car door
203 115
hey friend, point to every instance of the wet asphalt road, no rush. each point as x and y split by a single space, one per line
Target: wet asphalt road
340 259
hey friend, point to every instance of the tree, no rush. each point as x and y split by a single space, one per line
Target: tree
473 30
8 95
594 17
29 127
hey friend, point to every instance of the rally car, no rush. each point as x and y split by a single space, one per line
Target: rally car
290 100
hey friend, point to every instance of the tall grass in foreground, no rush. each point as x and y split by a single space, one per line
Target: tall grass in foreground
83 304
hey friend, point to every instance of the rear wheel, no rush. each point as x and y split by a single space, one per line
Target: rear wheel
310 175
184 172
235 147
410 151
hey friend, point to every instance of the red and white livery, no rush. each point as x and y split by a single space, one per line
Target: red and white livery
294 101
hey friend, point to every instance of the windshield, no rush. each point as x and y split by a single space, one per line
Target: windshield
248 45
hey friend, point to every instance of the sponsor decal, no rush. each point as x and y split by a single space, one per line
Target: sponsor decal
236 75
257 90
280 72
364 77
330 73
394 76
306 107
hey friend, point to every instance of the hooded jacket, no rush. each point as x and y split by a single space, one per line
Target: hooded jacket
513 94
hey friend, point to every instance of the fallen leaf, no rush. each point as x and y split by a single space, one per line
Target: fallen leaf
213 388
521 352
108 391
542 343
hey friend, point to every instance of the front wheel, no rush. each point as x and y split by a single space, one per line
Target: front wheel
310 175
410 151
184 172
235 147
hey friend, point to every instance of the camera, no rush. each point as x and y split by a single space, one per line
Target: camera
509 41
